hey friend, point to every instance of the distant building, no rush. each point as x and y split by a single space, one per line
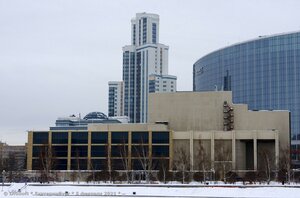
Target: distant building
143 58
162 83
115 98
15 153
122 119
263 73
77 123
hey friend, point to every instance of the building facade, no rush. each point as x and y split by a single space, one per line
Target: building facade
263 73
183 127
162 83
198 120
13 157
101 147
115 98
144 57
74 122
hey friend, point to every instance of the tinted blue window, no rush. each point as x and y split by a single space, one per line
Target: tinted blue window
79 164
119 137
36 164
119 164
99 151
61 164
39 151
99 137
59 137
140 151
99 164
60 151
79 151
40 137
160 151
140 137
79 137
160 137
137 164
119 151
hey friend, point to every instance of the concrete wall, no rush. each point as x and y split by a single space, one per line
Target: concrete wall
203 111
199 116
189 110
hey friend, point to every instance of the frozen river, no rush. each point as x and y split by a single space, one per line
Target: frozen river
91 191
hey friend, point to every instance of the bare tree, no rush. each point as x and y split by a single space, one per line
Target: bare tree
285 164
123 150
142 152
47 162
164 174
11 166
223 159
267 164
204 162
182 164
101 172
99 175
73 176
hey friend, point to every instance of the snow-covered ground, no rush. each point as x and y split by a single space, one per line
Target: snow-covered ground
154 190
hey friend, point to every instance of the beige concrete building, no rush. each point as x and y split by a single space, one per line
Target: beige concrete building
101 146
197 131
198 121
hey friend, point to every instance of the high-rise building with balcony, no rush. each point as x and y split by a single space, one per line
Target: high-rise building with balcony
142 60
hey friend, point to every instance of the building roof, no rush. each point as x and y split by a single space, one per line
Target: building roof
95 116
250 40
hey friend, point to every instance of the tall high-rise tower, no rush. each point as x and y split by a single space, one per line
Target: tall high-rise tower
145 62
145 56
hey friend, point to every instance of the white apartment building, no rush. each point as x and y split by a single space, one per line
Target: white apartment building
115 98
162 83
144 57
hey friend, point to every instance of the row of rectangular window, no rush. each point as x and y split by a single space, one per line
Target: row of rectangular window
100 151
100 137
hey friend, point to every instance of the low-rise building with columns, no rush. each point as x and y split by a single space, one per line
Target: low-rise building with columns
209 124
204 130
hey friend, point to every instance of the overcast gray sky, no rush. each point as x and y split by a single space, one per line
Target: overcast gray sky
56 56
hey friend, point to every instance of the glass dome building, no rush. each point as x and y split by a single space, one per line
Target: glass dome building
95 116
263 73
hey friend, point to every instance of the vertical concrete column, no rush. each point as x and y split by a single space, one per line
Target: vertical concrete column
50 150
233 150
276 149
69 149
192 149
150 144
129 149
50 139
109 150
89 149
171 150
255 151
212 149
29 150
